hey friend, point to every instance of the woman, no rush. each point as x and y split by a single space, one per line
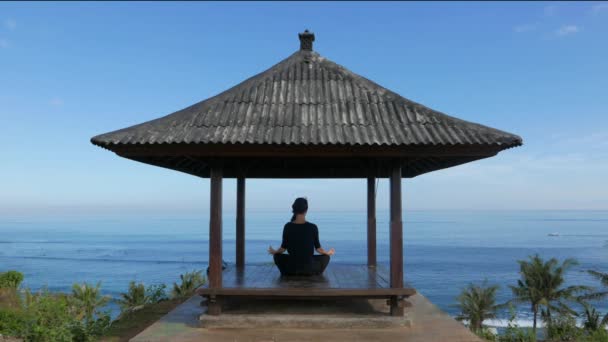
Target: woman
300 239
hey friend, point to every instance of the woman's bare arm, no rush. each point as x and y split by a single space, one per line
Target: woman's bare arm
320 249
276 251
330 252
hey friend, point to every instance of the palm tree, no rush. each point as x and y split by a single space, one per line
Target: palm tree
477 303
603 278
590 312
190 281
87 300
134 298
541 286
556 296
593 321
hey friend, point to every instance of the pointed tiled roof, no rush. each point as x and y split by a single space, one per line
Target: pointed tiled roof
308 100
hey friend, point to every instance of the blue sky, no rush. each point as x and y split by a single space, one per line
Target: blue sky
69 71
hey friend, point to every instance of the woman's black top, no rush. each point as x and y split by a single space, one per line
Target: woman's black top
301 240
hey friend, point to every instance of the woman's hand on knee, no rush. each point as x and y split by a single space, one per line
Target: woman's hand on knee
330 252
271 250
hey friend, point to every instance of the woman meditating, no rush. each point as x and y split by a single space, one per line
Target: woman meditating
300 239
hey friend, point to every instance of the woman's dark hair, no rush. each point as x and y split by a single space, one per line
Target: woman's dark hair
299 206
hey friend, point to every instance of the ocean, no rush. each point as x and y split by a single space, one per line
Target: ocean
443 250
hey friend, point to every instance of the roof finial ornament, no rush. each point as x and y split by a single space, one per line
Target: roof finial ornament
306 39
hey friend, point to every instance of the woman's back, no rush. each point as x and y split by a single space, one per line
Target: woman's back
301 240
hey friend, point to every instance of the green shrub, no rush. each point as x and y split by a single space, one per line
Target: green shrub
134 299
86 303
12 322
62 317
563 328
90 331
48 317
156 293
486 334
190 281
10 280
517 334
9 298
138 296
600 335
477 303
514 333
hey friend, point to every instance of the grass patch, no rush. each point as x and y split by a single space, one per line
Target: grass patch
131 324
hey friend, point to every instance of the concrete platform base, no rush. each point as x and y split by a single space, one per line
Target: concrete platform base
428 324
312 314
319 322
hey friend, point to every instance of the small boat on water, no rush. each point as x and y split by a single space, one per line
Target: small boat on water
553 234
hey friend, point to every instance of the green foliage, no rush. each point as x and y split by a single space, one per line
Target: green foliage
541 287
595 336
477 303
563 328
10 280
9 287
190 281
135 298
602 277
47 317
514 333
9 298
592 319
138 296
156 293
12 322
86 300
84 331
486 334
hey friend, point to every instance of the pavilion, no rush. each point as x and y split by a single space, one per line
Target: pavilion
307 117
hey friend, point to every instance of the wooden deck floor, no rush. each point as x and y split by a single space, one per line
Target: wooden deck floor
338 280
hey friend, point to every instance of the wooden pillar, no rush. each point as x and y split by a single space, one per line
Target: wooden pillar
396 237
371 222
215 237
240 222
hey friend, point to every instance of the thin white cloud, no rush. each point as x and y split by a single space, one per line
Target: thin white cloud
10 24
56 102
524 28
3 43
567 30
520 179
588 141
598 8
